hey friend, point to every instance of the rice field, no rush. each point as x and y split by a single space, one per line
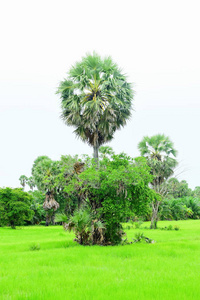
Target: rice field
39 262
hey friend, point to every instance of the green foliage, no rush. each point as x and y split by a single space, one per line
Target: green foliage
176 189
31 182
60 218
34 247
14 207
180 209
87 228
196 192
176 227
96 99
44 171
139 237
157 145
160 154
114 192
170 227
37 207
23 180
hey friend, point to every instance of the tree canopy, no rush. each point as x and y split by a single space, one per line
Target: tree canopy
96 100
161 158
115 191
14 207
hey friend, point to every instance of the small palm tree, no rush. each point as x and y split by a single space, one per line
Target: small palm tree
160 154
44 172
96 100
31 182
87 228
23 180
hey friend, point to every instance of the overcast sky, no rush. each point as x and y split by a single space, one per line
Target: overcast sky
156 43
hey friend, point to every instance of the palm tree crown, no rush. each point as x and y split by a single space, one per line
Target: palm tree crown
160 154
157 146
96 100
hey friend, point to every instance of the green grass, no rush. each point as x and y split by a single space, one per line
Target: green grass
62 269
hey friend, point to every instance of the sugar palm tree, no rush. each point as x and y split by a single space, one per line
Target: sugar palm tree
23 180
44 172
31 182
96 100
160 154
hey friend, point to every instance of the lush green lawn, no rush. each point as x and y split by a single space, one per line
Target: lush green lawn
62 269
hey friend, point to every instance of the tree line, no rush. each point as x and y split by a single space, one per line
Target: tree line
120 189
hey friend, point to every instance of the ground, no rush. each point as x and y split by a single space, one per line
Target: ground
62 269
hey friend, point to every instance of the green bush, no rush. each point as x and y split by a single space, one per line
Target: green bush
37 207
176 227
14 207
34 247
139 237
180 209
115 191
170 227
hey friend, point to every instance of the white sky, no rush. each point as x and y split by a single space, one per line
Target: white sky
157 45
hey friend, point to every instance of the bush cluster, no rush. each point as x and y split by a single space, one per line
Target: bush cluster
180 209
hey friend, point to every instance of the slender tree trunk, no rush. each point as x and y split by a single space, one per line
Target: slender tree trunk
154 218
12 225
53 219
96 151
48 219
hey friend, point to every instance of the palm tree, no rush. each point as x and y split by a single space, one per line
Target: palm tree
96 100
160 154
31 183
23 180
44 172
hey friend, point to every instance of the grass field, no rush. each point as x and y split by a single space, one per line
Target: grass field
62 269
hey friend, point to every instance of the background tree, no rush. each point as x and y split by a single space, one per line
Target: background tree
44 172
196 192
160 154
96 100
31 183
176 189
106 151
37 207
14 207
23 180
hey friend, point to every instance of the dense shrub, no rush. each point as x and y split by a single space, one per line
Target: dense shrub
180 209
115 191
14 207
36 206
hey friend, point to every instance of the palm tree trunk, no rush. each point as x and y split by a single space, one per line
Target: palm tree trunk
96 149
48 219
96 153
154 218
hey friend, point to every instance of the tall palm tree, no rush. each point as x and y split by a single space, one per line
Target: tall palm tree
96 100
160 154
